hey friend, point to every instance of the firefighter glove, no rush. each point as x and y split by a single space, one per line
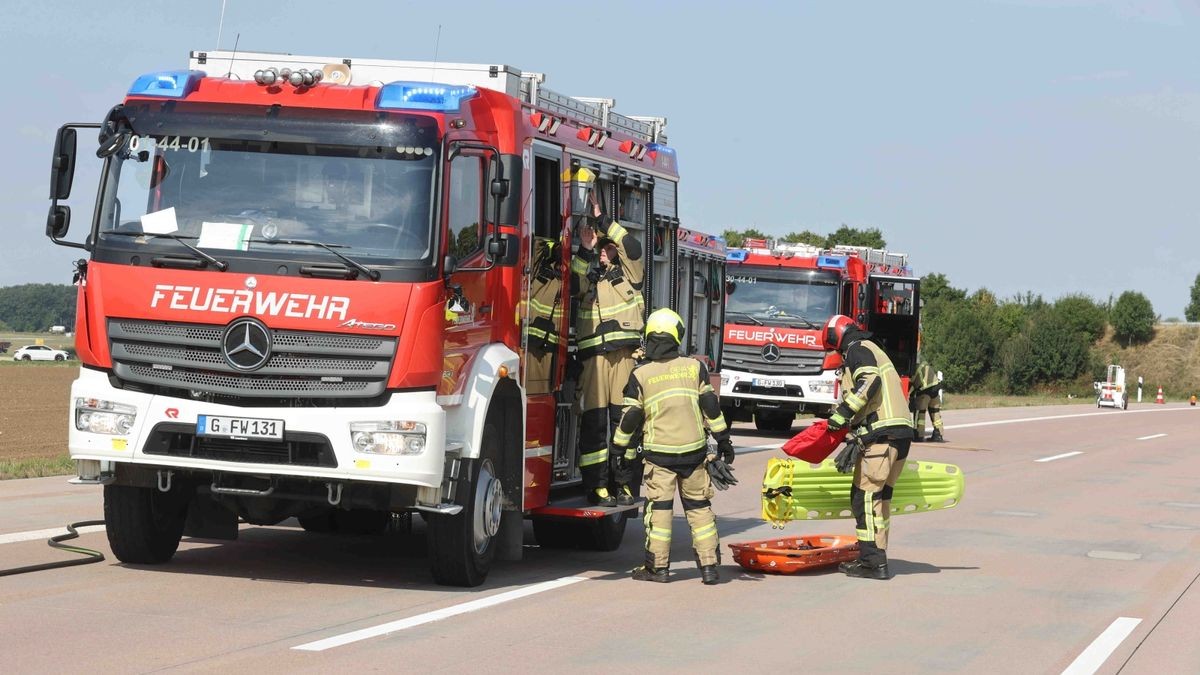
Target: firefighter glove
725 451
849 456
836 421
721 474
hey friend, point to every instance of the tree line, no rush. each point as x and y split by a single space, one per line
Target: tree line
844 235
33 308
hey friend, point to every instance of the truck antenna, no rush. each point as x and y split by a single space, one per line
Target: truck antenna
221 24
436 44
236 40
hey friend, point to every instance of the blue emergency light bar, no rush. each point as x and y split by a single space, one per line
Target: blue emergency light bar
167 83
671 159
736 256
423 96
836 261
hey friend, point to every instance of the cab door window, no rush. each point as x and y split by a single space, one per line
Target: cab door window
466 205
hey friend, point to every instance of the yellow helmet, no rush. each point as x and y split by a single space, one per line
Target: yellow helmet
667 322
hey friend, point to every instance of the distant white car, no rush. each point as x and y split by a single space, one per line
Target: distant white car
39 353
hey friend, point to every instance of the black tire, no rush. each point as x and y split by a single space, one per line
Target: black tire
605 534
556 534
25 357
143 525
59 357
463 546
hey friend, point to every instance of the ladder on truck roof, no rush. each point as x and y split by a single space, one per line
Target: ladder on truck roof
524 86
875 258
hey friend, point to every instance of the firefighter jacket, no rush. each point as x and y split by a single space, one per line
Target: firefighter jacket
545 300
611 307
873 402
925 382
672 402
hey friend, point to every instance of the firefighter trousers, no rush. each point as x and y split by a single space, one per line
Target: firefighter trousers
602 395
871 497
659 486
538 366
926 403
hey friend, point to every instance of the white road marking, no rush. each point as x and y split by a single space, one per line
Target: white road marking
1102 647
436 615
1054 457
1146 438
1059 417
32 535
1183 505
1020 514
1114 555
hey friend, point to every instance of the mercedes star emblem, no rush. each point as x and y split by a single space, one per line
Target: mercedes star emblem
246 344
771 353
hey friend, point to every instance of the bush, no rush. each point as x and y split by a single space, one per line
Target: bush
1017 366
1059 352
1083 315
960 343
1132 318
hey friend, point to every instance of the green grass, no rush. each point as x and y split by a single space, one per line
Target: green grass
36 468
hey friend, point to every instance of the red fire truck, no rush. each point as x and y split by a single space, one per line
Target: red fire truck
311 291
778 298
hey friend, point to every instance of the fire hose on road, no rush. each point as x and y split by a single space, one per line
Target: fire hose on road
56 541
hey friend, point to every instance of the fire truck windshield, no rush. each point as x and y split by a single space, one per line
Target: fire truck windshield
804 303
237 197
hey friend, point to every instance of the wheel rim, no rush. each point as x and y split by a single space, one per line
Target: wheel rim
489 502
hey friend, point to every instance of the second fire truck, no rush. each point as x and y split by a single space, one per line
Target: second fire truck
778 298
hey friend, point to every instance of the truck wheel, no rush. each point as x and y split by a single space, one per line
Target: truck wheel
605 534
143 525
462 547
556 534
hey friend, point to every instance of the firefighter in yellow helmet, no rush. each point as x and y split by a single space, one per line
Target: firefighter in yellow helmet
669 399
607 281
874 408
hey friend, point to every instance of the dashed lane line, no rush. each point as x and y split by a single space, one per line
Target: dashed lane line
1062 456
1146 438
14 537
436 615
1102 647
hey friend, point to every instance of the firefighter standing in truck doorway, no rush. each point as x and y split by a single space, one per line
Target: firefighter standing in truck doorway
668 399
873 407
925 388
607 279
545 314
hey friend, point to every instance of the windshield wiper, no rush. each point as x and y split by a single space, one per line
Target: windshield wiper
373 275
806 322
219 264
752 319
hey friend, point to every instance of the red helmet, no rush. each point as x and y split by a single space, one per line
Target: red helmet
835 330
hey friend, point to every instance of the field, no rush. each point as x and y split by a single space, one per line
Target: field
33 418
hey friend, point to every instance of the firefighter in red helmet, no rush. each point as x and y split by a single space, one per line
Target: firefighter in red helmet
874 408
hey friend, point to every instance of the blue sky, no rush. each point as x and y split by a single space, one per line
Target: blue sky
1015 145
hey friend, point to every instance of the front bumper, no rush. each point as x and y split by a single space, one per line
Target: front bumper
797 390
317 440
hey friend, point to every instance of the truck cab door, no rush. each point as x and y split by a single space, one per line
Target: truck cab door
893 315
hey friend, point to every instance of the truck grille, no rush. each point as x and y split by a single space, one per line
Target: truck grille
302 365
749 358
296 448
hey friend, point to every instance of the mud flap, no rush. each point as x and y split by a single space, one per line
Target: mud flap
510 538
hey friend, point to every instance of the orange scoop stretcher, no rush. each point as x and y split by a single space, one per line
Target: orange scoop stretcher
788 555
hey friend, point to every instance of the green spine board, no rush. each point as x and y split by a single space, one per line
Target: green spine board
819 492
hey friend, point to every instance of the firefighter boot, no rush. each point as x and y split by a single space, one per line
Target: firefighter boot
647 573
857 568
708 575
937 436
600 497
624 496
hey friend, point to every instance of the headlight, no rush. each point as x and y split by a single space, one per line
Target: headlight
98 416
389 437
821 387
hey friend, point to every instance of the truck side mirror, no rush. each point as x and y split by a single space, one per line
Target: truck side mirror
502 249
58 221
62 164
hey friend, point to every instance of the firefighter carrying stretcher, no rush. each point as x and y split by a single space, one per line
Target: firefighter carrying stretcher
607 279
669 400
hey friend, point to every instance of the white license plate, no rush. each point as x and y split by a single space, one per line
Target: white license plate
768 382
239 427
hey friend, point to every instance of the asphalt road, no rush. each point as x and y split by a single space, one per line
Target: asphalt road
1075 549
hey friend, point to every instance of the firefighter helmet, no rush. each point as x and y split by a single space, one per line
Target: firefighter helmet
835 331
666 322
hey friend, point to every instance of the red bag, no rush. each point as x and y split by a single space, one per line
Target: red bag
815 443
